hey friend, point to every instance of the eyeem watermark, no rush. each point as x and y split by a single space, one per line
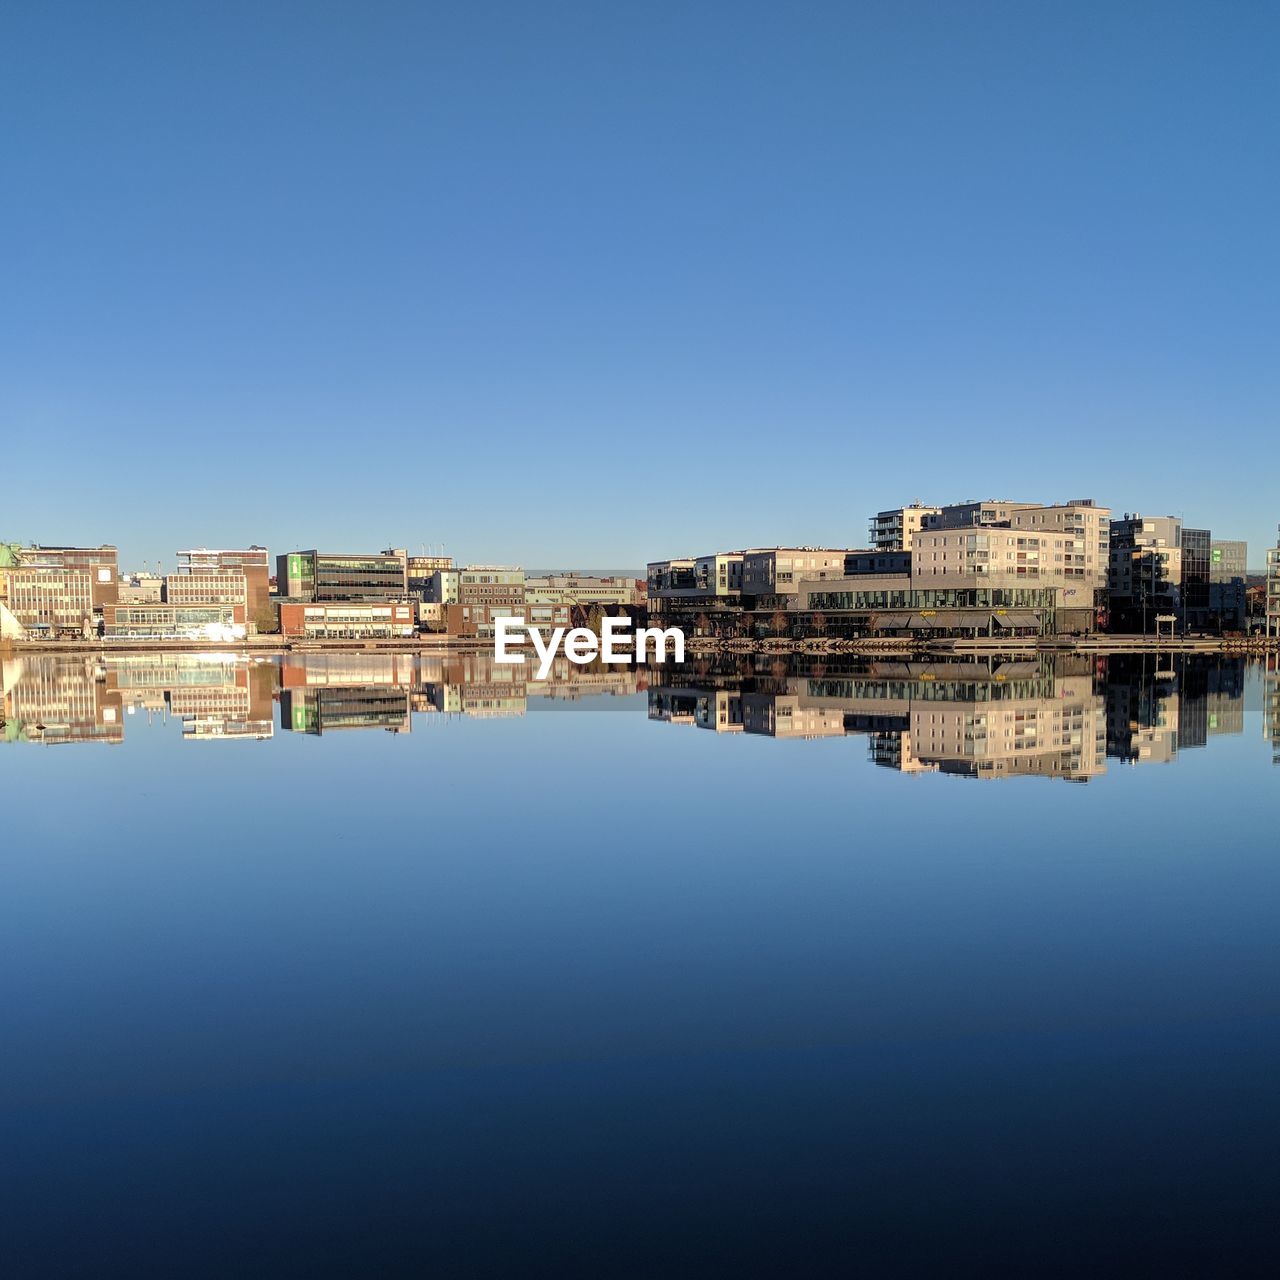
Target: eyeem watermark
616 643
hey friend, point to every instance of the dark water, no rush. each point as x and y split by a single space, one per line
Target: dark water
375 966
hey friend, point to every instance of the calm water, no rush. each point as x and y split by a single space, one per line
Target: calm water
372 966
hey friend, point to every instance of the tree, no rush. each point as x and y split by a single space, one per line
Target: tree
778 623
820 623
702 624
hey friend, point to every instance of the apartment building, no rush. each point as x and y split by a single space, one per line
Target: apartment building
1145 571
705 581
895 529
1273 591
1065 546
778 571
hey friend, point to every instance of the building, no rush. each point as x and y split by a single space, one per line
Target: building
140 588
45 600
1273 592
895 529
348 619
253 562
711 581
321 576
489 591
421 570
1228 584
100 564
1065 545
218 623
1145 573
868 563
50 591
583 590
773 572
1197 564
216 586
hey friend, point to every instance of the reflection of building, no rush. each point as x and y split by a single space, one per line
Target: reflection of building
719 710
217 697
326 709
57 699
1271 705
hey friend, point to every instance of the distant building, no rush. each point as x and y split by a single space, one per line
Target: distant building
486 592
860 563
704 581
1273 591
895 529
1145 574
583 590
219 623
321 576
1228 582
421 570
778 571
348 619
140 588
1197 563
57 590
253 562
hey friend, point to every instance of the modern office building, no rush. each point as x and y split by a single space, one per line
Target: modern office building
1197 564
1228 584
321 576
221 586
895 529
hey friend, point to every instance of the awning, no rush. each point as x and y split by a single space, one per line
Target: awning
1017 620
918 622
889 621
970 620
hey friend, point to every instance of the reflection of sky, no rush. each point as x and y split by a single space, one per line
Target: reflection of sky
505 991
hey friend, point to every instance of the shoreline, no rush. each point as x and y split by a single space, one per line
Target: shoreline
271 646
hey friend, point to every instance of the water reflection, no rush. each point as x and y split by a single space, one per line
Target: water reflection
1055 717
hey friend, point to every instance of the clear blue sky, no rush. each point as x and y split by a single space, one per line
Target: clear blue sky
594 284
